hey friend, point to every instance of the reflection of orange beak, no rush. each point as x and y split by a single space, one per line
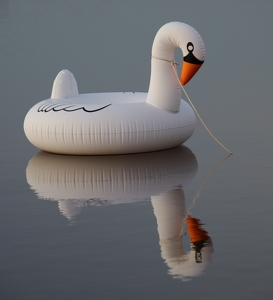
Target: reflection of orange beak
196 232
188 71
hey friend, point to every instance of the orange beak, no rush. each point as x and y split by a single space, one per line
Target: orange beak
188 71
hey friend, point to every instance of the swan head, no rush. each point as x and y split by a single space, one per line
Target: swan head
164 90
180 35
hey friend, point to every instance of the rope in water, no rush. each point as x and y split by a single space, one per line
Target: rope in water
173 63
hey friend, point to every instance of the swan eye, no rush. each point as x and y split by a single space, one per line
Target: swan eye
190 46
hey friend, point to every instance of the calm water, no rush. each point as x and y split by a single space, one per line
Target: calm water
74 227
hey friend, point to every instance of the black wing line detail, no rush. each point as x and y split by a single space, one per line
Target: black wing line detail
67 108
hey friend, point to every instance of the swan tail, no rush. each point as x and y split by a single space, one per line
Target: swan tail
64 86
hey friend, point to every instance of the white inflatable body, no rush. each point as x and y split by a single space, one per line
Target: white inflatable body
121 123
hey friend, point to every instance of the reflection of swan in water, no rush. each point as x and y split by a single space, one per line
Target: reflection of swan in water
78 181
170 212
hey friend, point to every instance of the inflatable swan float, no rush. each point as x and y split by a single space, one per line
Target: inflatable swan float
121 123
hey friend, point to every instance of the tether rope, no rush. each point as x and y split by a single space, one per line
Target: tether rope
173 63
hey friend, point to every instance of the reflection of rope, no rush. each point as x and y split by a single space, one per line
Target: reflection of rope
204 183
198 193
173 66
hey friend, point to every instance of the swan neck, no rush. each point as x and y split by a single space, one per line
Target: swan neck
164 90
